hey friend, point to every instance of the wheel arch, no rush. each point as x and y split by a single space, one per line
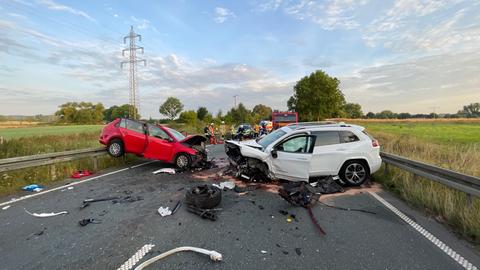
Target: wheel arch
359 159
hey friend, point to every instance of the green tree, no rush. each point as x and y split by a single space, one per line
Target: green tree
317 97
201 113
171 107
261 112
239 115
470 110
80 113
386 114
115 111
353 110
189 117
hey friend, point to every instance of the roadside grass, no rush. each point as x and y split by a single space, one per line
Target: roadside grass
426 145
19 132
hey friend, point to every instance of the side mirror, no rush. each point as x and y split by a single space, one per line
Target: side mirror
274 153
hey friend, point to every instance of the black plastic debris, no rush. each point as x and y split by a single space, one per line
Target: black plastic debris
37 233
327 185
84 222
87 202
298 251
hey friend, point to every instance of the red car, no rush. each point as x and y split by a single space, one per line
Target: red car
153 142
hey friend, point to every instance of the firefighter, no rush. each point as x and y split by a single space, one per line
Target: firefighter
211 132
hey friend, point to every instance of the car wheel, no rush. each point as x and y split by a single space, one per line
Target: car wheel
354 172
205 196
183 161
115 148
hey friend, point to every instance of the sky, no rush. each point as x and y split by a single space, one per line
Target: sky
413 56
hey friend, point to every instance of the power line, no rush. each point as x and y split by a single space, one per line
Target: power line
132 75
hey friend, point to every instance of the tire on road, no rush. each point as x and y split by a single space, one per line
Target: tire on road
116 148
205 196
183 161
354 172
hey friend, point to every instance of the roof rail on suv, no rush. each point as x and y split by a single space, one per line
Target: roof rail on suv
303 125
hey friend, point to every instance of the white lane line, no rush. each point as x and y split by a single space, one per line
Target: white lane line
130 263
450 252
71 184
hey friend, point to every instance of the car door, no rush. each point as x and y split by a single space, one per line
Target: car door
328 153
290 159
160 144
133 134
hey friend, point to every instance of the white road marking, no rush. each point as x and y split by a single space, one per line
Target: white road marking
71 184
130 263
450 252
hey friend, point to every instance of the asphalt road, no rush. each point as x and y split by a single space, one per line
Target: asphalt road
247 225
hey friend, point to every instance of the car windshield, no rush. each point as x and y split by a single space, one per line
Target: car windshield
178 136
270 138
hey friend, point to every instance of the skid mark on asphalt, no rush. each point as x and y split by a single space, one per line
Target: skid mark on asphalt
130 263
450 252
72 184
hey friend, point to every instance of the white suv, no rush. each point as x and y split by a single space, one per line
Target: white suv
300 151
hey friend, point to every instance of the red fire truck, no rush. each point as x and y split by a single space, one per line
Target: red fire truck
280 119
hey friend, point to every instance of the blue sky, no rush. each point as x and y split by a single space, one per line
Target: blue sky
402 55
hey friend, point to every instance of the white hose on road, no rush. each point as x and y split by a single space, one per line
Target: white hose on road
215 256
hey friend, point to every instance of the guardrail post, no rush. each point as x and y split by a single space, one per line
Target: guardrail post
53 173
469 200
385 169
95 163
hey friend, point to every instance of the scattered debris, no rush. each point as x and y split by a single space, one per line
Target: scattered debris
33 187
327 185
285 252
6 207
247 188
87 202
164 211
41 215
298 251
80 174
84 222
36 233
210 214
69 188
127 199
263 251
176 207
225 185
165 170
214 256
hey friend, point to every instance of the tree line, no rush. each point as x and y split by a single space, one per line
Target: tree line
315 97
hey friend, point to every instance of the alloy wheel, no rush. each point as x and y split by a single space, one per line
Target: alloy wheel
355 173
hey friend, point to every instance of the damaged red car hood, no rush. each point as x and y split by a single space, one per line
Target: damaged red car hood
194 140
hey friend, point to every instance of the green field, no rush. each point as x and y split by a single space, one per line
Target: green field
441 133
11 133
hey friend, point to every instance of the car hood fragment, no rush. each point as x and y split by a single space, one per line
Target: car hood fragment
194 140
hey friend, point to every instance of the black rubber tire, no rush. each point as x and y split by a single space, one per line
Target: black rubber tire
115 148
183 166
343 172
205 200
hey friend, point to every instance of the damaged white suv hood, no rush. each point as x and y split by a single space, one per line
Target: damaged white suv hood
251 149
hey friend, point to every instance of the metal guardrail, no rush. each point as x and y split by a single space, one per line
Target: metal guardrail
462 182
10 164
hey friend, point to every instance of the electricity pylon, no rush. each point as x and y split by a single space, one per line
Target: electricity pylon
132 76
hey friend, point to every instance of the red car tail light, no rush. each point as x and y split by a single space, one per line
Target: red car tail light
375 143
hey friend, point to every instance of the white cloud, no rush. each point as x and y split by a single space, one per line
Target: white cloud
329 14
447 80
50 4
223 14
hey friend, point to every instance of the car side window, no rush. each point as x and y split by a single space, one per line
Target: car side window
135 126
295 145
348 136
122 123
326 138
157 132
